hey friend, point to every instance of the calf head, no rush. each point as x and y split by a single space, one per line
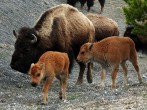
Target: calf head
36 73
85 53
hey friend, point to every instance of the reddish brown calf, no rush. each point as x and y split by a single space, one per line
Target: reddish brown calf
51 64
111 51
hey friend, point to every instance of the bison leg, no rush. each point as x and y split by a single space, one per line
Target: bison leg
90 3
89 72
102 3
82 3
125 73
113 75
80 77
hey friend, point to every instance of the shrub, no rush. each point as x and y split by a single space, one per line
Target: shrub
136 16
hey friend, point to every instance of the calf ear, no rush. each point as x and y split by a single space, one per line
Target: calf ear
15 34
32 65
90 46
42 66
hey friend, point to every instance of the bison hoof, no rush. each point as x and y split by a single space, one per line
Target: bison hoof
60 97
89 81
79 83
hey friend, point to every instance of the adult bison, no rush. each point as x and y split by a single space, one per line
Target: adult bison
90 3
61 28
140 41
104 26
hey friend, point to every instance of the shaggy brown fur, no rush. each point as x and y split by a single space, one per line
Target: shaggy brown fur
61 28
50 65
104 26
111 51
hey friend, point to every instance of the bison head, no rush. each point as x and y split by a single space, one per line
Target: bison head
85 53
26 50
134 37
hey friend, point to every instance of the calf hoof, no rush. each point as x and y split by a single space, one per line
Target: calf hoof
102 85
65 100
113 87
43 103
140 82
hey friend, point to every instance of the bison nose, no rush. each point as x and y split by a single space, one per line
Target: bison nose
12 65
33 84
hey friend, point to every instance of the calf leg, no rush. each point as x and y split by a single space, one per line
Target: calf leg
61 83
64 78
46 88
103 75
123 64
113 75
135 64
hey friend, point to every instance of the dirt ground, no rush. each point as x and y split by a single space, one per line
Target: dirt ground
16 92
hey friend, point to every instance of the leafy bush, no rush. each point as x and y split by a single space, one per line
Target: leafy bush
136 15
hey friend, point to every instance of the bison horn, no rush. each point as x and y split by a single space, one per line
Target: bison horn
34 40
15 34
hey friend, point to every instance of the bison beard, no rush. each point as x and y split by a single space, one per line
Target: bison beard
54 31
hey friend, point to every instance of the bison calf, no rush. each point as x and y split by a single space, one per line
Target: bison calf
111 51
51 64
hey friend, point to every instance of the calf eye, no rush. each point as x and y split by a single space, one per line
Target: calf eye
82 52
38 75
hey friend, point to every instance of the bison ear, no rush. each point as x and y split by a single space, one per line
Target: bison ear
34 40
15 34
90 46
